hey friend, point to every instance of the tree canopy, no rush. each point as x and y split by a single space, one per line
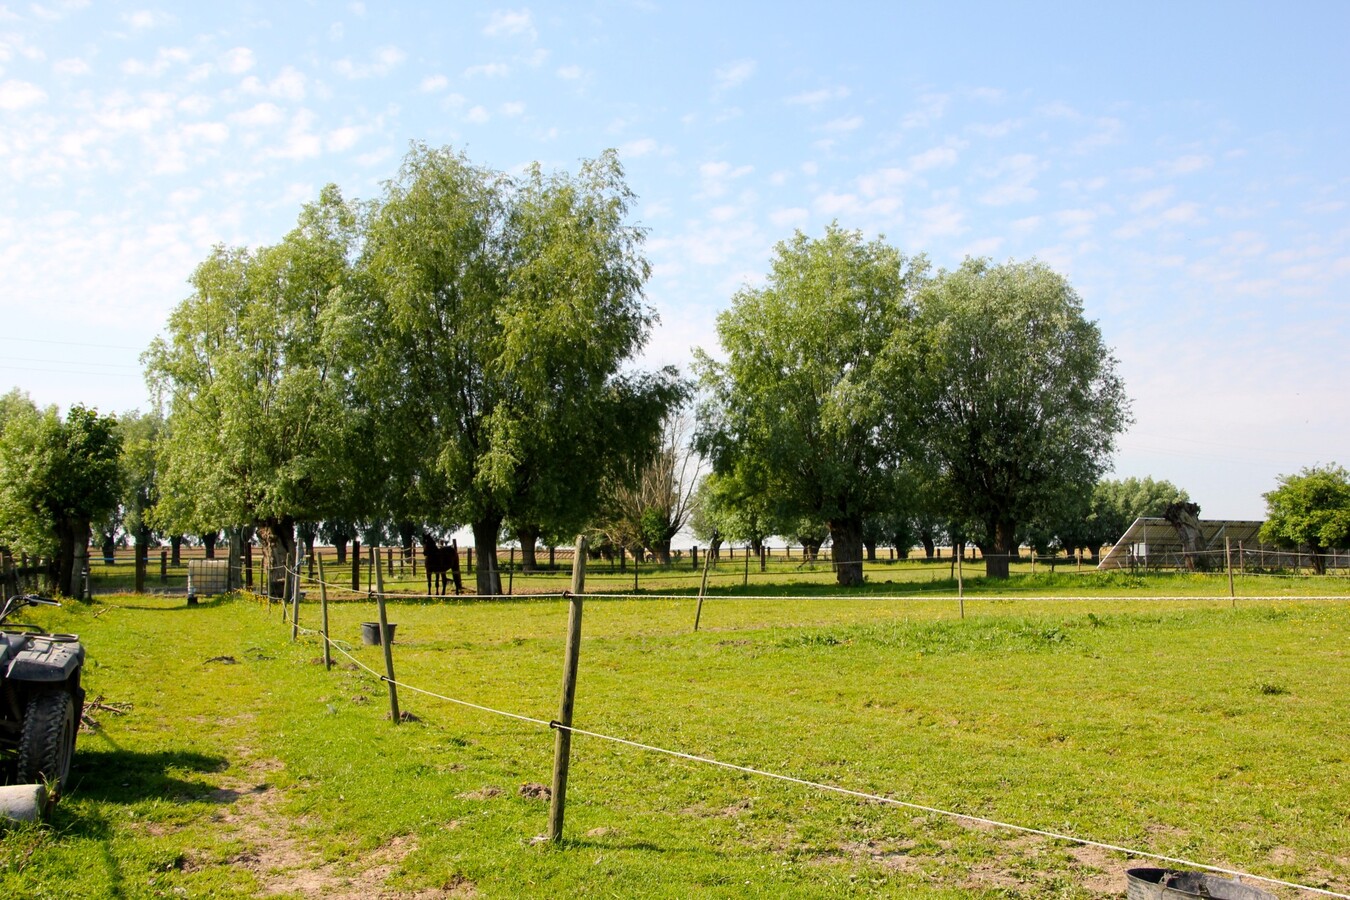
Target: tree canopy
1310 509
256 368
1014 395
797 409
57 476
511 307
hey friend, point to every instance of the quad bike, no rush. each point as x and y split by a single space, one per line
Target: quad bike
41 700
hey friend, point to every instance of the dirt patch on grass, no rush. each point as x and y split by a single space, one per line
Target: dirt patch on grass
284 862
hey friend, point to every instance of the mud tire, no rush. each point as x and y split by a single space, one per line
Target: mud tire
47 743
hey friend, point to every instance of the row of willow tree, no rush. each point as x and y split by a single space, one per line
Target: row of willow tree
461 351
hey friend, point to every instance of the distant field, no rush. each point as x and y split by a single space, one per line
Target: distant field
229 764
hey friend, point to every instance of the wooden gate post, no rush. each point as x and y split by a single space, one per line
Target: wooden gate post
562 741
323 606
387 643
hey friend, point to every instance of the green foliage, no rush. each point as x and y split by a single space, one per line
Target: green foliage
57 476
141 436
256 369
1311 509
796 413
1014 394
512 306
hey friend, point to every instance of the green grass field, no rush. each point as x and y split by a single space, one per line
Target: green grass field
227 762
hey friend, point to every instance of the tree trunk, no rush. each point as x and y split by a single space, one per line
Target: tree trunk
65 560
407 531
340 545
528 537
142 545
485 533
929 547
1000 553
1319 561
209 542
847 537
277 537
715 549
234 558
662 552
176 550
871 547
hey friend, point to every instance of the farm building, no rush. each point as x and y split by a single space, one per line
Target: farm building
1155 543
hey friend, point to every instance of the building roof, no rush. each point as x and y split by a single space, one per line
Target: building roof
1155 541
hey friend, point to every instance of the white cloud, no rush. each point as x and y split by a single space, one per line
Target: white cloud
1017 172
146 18
16 95
386 58
733 74
716 177
842 125
478 115
261 115
433 83
164 58
509 23
300 141
638 148
931 108
237 61
791 217
995 129
488 70
936 157
290 84
72 66
513 109
983 247
210 132
570 73
1151 199
1186 165
943 220
344 138
817 97
884 181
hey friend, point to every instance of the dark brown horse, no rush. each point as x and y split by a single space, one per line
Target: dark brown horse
441 562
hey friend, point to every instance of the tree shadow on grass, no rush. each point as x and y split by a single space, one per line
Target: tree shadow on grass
128 776
206 603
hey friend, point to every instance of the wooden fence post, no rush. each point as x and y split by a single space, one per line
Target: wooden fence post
295 590
356 565
702 589
386 641
960 585
163 566
1228 561
323 605
562 740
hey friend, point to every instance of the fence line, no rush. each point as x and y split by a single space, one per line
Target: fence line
822 786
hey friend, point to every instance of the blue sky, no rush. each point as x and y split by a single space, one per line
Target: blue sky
1183 164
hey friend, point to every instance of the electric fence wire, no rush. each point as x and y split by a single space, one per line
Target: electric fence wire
830 788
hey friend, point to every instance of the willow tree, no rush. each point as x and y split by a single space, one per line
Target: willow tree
797 409
256 370
512 306
57 476
1014 393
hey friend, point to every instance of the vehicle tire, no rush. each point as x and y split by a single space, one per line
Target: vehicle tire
47 742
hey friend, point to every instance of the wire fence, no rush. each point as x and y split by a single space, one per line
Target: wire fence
298 578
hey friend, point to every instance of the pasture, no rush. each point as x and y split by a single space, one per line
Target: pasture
227 762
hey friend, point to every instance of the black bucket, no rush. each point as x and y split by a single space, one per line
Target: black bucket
370 633
1165 884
